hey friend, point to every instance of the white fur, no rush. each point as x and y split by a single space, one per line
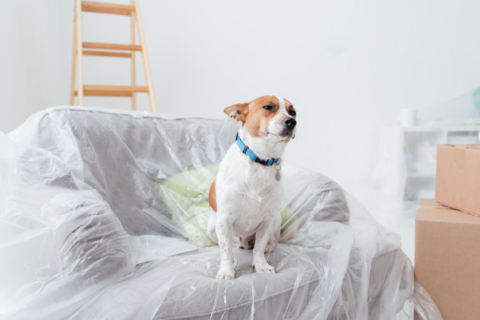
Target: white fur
248 198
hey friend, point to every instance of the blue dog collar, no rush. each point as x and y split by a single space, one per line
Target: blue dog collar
248 152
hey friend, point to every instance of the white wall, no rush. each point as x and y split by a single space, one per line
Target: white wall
35 55
348 66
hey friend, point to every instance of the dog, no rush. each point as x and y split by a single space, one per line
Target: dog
246 195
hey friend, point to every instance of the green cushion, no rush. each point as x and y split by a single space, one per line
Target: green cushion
186 198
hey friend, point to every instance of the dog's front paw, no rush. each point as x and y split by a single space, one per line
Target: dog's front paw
226 273
263 267
223 275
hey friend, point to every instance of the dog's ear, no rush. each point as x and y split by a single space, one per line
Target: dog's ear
237 111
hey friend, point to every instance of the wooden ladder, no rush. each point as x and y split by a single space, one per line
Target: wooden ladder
109 50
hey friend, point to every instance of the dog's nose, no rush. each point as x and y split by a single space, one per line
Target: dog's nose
290 122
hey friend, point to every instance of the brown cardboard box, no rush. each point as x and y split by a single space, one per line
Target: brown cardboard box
458 177
447 259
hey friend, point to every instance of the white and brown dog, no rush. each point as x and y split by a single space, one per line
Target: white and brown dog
246 195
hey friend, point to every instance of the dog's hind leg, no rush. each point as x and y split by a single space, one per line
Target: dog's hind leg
242 243
211 227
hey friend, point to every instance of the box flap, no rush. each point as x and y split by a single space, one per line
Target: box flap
430 203
467 146
430 210
448 216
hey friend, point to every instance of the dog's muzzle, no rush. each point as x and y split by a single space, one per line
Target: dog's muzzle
289 124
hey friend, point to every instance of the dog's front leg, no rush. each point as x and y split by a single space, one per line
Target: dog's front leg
224 234
263 235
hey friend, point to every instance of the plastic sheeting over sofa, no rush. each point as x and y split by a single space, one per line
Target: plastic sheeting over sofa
86 235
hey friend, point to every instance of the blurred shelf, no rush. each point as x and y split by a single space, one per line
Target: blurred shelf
441 129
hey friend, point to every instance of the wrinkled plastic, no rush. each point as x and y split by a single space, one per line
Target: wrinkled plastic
86 231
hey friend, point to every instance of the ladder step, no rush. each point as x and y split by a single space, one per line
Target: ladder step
107 54
110 8
108 11
111 46
111 91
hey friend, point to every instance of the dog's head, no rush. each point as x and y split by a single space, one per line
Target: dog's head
268 117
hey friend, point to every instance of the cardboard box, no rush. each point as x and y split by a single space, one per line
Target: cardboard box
447 259
458 177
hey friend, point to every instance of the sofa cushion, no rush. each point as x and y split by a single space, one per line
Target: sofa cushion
309 273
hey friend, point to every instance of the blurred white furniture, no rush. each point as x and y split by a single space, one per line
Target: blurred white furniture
407 158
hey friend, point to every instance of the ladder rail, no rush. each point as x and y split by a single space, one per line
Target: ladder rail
146 65
133 61
78 16
74 60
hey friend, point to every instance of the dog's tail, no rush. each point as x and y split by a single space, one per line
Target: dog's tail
289 235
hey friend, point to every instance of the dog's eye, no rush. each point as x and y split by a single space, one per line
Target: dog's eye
292 113
269 108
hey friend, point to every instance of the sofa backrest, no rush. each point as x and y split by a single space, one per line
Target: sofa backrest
125 156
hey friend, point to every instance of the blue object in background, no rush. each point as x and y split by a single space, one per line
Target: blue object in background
476 99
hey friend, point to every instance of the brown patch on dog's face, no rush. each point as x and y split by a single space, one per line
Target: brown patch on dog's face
260 111
255 115
263 115
290 109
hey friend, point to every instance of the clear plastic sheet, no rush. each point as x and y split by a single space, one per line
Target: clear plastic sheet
85 234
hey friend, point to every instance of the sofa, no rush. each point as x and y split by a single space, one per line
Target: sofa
86 234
